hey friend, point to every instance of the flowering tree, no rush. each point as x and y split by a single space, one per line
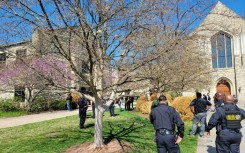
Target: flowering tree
36 75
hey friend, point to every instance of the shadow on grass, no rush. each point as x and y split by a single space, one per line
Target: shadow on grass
138 134
89 125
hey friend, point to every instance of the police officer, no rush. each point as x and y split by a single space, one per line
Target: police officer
164 119
200 113
218 99
228 118
82 110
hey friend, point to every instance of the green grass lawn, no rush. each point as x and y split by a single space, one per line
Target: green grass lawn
11 114
59 134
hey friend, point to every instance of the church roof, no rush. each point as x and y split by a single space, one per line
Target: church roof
222 9
221 18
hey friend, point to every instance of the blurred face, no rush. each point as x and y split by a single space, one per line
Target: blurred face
220 96
158 95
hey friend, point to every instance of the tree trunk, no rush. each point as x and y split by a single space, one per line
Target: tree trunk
98 128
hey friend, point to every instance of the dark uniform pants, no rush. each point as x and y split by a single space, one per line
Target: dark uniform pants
111 108
166 143
82 115
228 141
127 106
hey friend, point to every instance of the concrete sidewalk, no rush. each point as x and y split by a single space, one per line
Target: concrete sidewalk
33 118
21 120
206 144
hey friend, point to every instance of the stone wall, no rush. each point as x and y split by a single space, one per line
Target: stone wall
223 19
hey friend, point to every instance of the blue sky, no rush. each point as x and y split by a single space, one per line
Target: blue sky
237 6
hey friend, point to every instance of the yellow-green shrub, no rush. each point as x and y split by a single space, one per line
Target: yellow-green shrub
144 106
75 97
142 99
181 104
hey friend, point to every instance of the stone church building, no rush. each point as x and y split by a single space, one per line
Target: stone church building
222 37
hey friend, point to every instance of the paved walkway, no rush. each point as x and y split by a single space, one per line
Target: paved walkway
21 120
27 119
207 144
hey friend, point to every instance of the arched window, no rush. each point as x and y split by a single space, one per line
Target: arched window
221 51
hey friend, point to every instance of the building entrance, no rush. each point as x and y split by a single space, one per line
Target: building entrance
224 87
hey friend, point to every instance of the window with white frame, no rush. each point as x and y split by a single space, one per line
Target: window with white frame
221 51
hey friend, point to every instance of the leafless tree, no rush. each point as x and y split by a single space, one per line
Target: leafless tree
102 36
185 67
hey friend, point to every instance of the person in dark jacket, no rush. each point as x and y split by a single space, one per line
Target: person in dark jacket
127 103
200 113
82 103
228 119
218 99
164 119
111 108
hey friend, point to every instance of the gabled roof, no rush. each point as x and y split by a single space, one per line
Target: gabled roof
222 9
221 18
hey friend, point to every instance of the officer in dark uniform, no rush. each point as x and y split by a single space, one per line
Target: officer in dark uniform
200 113
164 119
82 110
228 119
218 99
127 103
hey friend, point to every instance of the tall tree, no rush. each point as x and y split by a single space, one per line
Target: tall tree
185 67
95 37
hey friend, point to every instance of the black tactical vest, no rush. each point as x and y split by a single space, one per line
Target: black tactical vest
233 118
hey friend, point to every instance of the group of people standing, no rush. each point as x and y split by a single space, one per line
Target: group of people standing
226 118
83 106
